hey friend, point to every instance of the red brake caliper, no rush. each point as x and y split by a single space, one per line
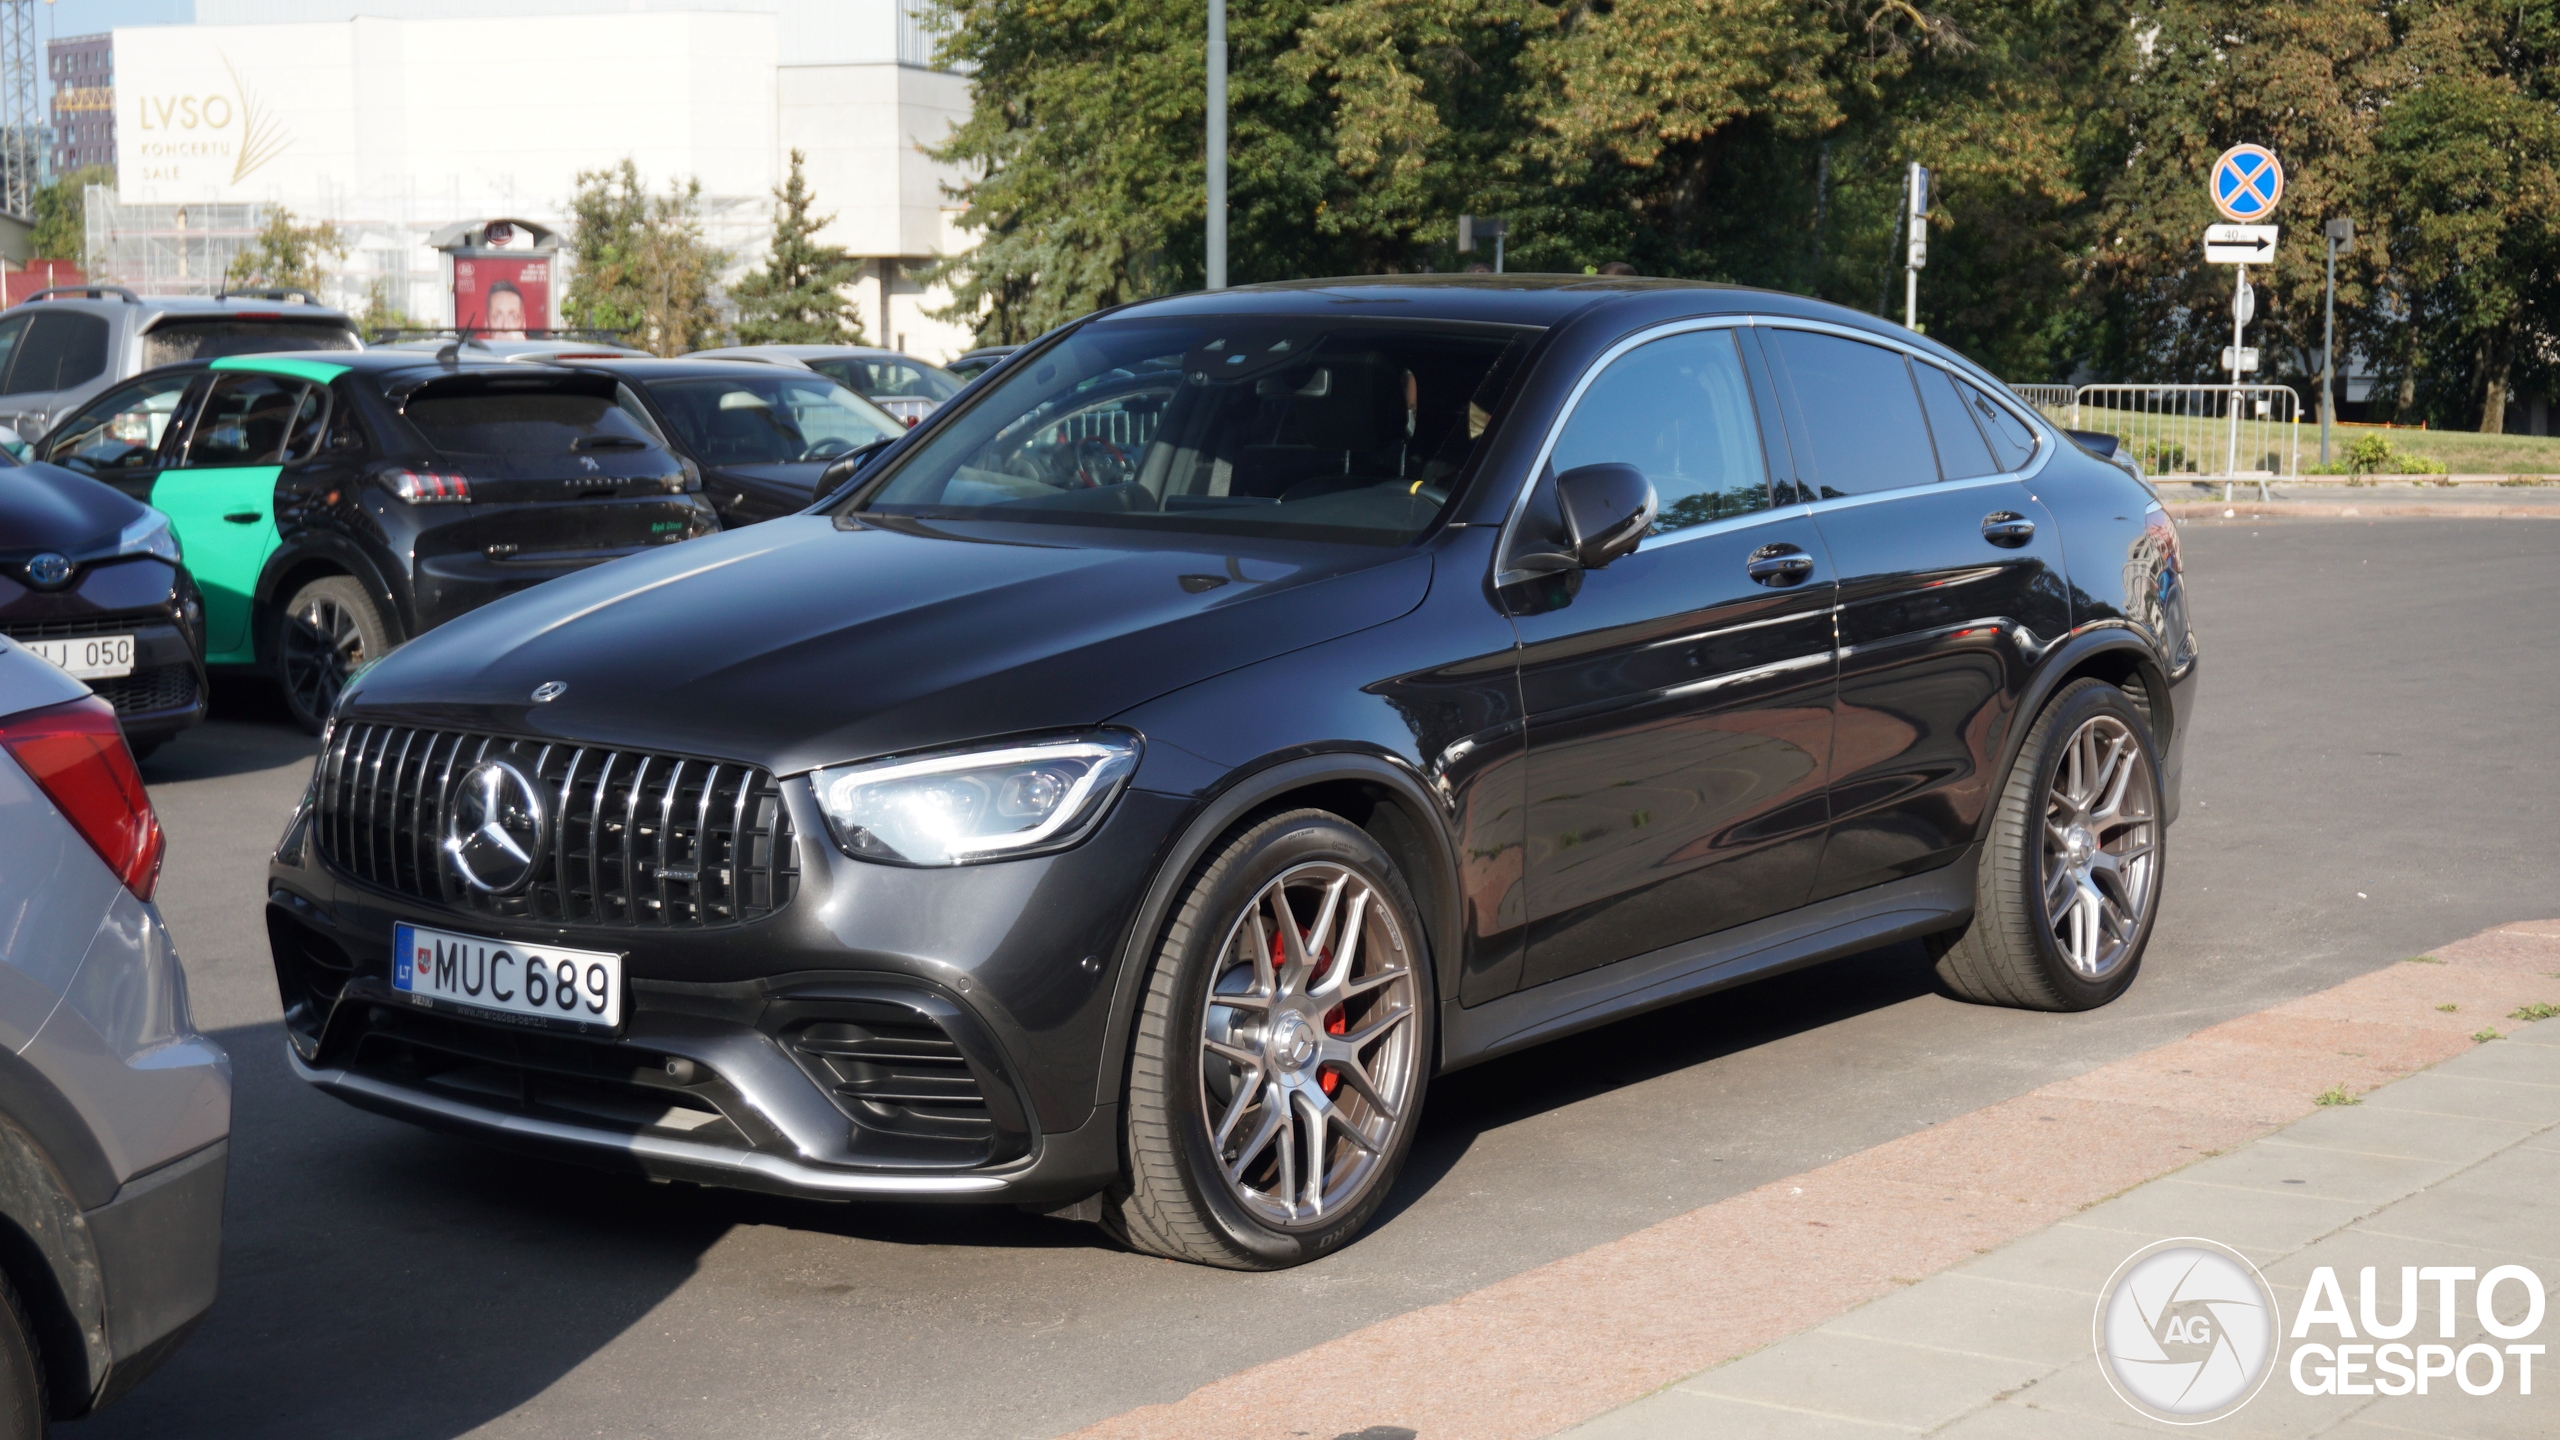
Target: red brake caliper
1335 1021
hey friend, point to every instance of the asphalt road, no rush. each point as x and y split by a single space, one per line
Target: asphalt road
2368 775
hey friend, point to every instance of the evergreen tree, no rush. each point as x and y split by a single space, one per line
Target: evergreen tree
798 297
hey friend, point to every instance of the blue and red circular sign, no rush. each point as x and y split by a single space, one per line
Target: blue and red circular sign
2247 183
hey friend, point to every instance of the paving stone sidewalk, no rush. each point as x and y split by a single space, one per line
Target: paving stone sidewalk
2457 1165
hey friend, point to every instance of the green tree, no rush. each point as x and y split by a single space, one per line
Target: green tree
2467 201
798 297
641 264
287 255
61 230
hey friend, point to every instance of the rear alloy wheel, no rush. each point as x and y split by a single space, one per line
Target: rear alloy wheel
2071 867
1281 1052
331 629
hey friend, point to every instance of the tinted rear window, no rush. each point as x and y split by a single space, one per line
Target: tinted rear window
180 338
530 421
62 349
1860 413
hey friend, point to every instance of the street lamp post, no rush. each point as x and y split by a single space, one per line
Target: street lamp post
2342 234
1217 144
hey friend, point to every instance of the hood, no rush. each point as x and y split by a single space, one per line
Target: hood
807 641
44 508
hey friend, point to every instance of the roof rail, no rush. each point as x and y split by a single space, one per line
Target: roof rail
268 292
92 292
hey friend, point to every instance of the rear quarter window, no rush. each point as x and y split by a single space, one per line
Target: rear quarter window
182 338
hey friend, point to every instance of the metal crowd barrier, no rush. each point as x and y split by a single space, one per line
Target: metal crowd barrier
2233 434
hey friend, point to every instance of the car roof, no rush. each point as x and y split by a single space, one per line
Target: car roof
262 305
383 366
812 352
1530 299
697 366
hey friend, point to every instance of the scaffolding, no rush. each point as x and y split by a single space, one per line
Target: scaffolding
165 249
20 122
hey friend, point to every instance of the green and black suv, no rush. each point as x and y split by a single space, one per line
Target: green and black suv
333 506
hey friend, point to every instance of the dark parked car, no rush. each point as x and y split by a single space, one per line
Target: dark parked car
899 383
115 1115
1129 793
979 361
91 580
334 506
760 435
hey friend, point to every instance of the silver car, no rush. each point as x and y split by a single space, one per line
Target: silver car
61 346
115 1115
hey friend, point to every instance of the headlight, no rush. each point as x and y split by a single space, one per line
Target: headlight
973 805
149 535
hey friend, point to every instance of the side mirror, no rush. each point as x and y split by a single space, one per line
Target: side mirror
14 443
1607 509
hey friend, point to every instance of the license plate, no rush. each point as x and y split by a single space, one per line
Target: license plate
95 657
507 979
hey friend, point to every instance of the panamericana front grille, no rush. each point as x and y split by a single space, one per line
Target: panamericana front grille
640 840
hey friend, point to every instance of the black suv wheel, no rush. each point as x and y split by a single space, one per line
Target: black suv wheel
1282 1050
331 628
2071 865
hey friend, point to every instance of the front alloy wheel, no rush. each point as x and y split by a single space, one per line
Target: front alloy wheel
1281 1051
1306 1045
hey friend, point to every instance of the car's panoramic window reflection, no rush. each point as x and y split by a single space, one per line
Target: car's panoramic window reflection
771 421
1237 425
1678 409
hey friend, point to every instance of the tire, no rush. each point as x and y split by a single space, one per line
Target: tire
330 629
1223 1188
2063 912
22 1395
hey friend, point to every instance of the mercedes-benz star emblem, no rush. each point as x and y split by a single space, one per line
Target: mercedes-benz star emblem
498 828
49 570
549 690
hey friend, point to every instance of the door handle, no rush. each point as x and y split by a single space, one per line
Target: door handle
2008 529
244 517
1779 565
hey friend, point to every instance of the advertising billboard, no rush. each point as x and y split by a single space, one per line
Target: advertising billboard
501 296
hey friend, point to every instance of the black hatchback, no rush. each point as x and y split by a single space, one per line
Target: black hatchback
332 507
1129 793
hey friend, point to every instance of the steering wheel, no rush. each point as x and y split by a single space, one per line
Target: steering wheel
1101 462
827 449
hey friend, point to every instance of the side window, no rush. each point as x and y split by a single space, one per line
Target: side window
310 425
2011 440
63 348
1861 415
12 330
120 432
1962 454
1679 409
244 421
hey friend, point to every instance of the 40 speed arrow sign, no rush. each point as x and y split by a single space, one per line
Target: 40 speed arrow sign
2240 244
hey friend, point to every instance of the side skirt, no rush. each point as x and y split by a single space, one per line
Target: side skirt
1846 925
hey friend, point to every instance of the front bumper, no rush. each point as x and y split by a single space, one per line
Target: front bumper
887 1033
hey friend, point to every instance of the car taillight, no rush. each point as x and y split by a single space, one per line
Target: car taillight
76 753
425 487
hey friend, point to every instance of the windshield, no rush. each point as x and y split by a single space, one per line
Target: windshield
1229 424
770 419
889 377
173 340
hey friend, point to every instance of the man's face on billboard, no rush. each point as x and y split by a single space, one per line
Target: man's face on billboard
506 313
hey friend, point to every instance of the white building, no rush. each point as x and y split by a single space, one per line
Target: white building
396 118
